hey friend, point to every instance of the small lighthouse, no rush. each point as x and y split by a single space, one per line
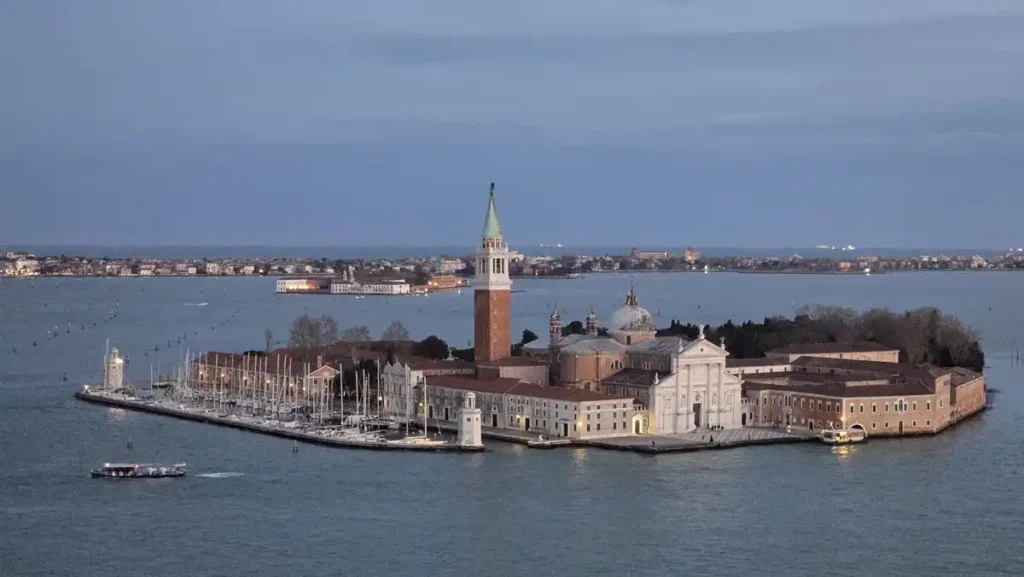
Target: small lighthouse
469 422
115 371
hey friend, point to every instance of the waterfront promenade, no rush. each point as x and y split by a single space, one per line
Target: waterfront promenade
701 440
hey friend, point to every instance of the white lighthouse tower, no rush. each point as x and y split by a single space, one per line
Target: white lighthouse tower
469 422
115 371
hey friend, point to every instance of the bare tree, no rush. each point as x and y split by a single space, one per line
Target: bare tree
328 330
310 333
396 331
305 333
358 333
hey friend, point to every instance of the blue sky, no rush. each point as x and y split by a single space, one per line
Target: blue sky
706 123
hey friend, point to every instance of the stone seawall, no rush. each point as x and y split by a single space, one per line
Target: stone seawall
283 433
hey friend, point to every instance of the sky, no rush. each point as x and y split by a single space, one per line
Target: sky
724 123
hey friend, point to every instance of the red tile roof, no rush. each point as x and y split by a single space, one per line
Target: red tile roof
820 348
908 387
922 370
634 377
513 362
510 386
428 365
761 362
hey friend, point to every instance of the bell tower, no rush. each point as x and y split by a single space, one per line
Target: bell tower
592 323
555 329
492 337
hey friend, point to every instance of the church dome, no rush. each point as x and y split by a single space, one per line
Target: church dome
632 317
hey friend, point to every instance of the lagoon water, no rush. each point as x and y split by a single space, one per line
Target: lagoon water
947 505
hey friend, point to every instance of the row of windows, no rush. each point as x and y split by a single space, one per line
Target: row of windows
599 408
899 406
615 426
805 421
615 415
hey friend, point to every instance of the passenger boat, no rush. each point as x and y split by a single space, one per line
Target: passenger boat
842 436
134 471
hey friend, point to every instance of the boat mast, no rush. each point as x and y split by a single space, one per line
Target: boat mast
106 359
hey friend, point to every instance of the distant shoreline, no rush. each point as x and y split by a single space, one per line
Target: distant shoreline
524 277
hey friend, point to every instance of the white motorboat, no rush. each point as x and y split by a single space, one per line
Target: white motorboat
842 436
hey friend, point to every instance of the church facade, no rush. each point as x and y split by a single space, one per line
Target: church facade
678 385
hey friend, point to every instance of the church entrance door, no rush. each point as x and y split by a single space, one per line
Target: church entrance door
527 423
494 420
696 415
565 429
636 427
743 419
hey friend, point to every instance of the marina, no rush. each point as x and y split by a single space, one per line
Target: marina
275 402
326 436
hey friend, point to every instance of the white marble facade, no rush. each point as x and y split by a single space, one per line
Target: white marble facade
698 392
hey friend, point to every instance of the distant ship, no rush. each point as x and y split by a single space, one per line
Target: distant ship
132 471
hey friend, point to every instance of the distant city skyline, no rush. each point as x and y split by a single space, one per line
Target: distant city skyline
652 124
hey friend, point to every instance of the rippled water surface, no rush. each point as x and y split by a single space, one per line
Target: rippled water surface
948 505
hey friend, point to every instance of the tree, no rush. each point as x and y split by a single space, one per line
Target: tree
433 347
924 335
573 328
310 333
268 336
328 330
396 331
358 333
528 337
305 333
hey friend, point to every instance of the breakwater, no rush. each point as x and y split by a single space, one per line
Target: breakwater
297 435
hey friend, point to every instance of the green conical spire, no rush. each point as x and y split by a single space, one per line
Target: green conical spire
491 227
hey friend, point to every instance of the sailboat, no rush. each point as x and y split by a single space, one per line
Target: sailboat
424 439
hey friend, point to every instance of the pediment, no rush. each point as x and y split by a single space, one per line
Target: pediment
324 372
702 348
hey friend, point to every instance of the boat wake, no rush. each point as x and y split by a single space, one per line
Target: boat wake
220 475
195 304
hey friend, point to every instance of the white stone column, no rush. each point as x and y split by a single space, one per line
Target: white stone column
689 397
678 408
721 399
707 387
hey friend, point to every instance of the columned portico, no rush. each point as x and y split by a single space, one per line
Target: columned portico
699 394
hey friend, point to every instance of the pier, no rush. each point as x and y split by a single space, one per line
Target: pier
135 404
653 444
